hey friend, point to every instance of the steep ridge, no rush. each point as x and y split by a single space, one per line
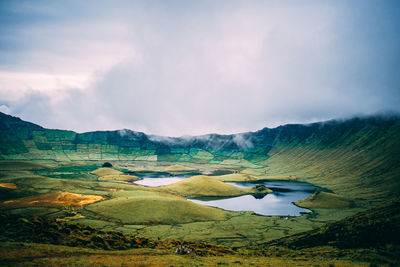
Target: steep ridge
23 140
359 156
371 228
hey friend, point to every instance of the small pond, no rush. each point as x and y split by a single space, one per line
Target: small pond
154 179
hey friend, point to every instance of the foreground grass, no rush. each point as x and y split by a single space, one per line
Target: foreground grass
354 246
31 254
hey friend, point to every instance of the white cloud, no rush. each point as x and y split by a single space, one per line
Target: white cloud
5 109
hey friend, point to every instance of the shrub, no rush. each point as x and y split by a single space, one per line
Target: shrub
107 165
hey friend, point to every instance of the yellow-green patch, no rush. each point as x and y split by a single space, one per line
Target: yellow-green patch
106 171
145 207
324 200
118 178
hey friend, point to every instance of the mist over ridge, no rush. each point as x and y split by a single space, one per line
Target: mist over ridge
327 133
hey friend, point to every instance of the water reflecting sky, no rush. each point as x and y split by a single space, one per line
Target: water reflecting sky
280 202
277 203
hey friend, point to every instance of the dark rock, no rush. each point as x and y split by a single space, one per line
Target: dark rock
260 187
182 250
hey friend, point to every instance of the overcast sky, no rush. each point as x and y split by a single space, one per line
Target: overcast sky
194 67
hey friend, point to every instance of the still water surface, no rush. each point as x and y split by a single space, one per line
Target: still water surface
155 179
280 202
154 182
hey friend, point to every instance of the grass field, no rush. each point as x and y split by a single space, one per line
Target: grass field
144 211
31 254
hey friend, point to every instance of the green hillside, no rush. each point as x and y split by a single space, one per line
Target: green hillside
358 158
357 155
46 172
372 228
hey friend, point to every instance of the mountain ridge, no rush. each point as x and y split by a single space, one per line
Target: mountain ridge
17 136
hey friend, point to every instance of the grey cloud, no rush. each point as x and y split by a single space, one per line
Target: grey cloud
205 67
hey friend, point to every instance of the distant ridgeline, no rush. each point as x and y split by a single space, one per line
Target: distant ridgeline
24 140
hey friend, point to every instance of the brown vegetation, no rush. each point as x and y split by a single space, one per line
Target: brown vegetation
8 185
53 199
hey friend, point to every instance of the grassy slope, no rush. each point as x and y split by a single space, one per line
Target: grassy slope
106 171
359 160
112 175
372 228
236 177
324 200
119 178
146 207
178 168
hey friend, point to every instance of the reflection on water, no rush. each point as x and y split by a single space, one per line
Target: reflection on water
155 179
154 182
150 174
280 202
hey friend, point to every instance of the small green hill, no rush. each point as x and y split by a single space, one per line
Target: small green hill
106 171
112 175
145 207
324 200
237 177
201 185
